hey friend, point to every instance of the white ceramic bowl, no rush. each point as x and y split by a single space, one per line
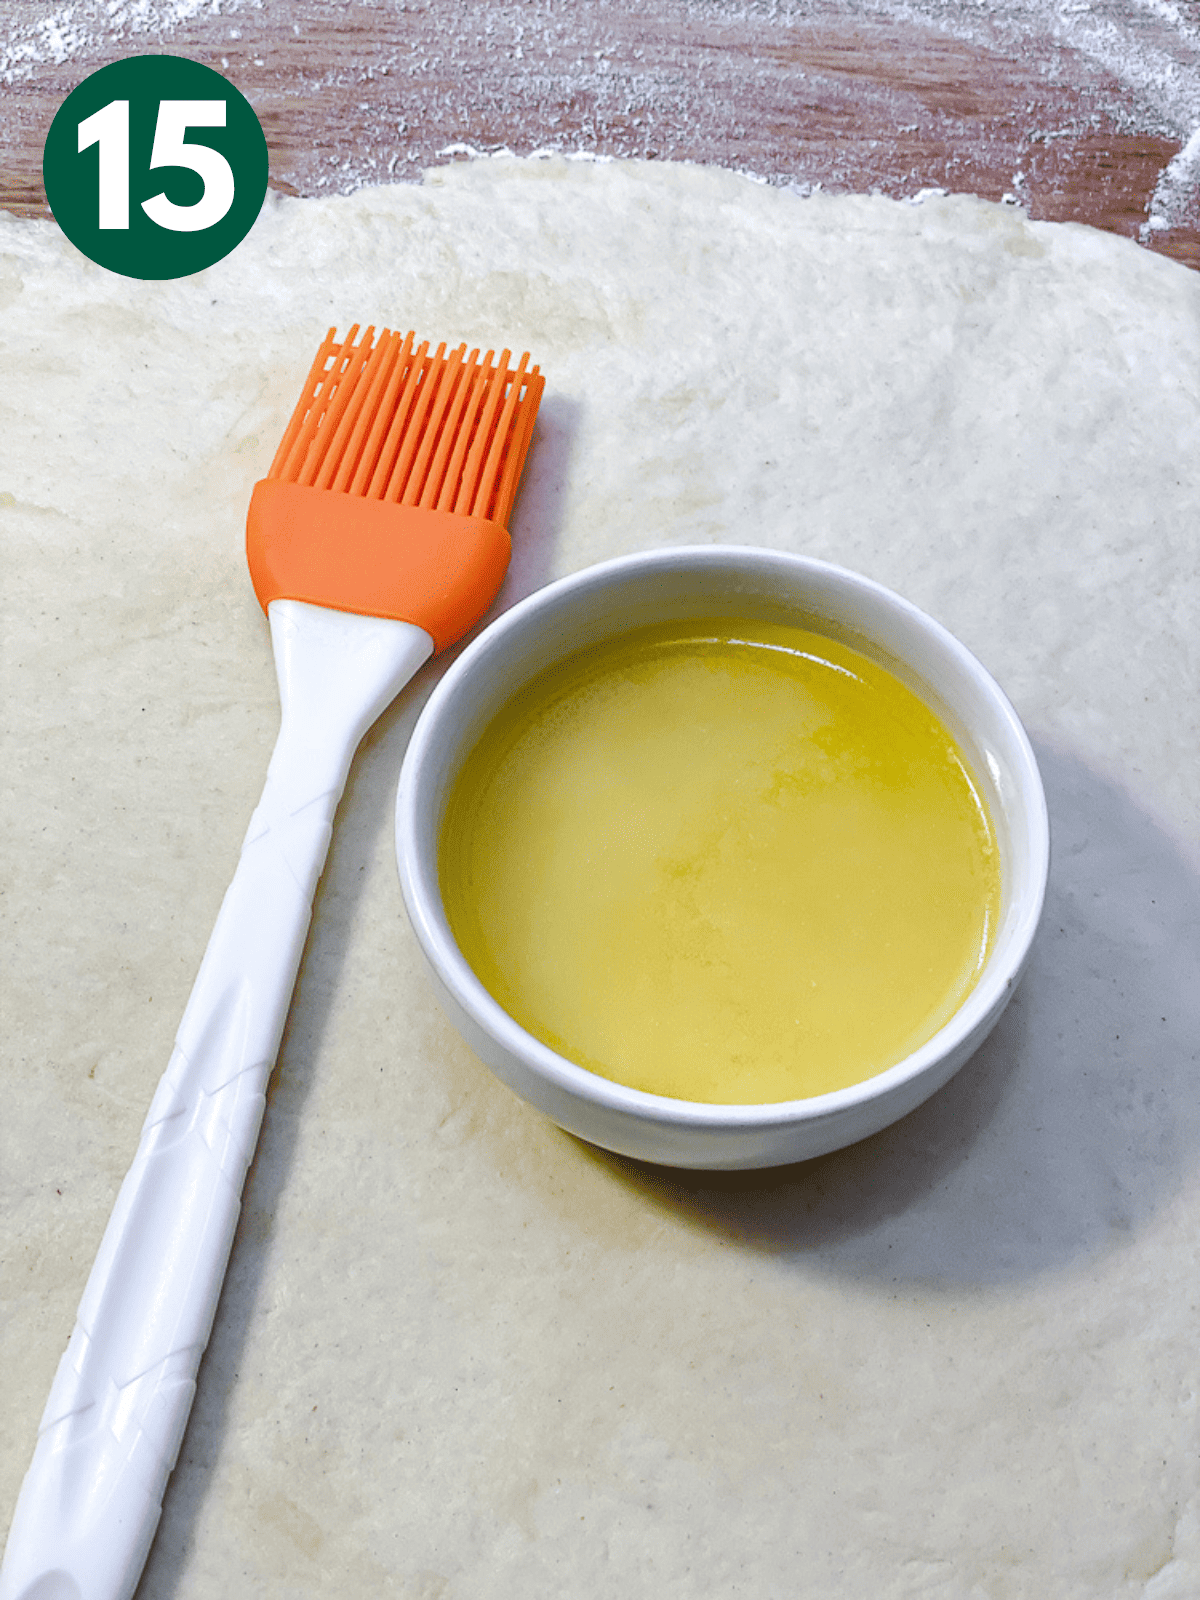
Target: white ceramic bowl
660 585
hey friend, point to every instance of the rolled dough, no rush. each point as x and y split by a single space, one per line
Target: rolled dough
460 1354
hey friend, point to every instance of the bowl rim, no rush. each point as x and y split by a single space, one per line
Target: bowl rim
423 900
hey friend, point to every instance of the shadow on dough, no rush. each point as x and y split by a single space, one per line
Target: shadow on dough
1077 1118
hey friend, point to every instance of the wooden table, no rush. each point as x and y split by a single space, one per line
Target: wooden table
832 92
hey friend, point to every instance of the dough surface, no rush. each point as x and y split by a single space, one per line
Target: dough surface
460 1354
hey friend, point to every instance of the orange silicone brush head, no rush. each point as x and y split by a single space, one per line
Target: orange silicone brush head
391 489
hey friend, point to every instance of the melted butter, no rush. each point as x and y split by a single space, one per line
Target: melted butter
725 862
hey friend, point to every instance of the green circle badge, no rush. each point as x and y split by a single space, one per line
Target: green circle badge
155 167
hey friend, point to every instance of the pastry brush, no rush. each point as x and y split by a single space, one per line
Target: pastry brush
378 537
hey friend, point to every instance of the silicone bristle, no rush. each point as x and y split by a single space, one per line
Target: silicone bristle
392 454
475 387
457 390
385 421
414 432
354 429
440 389
314 402
499 437
469 490
372 473
518 446
316 377
339 390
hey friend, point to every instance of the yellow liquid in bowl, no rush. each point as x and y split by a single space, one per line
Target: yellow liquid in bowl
726 862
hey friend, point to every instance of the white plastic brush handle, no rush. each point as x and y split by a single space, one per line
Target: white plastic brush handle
112 1427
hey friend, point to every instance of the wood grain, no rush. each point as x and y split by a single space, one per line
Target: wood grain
352 94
